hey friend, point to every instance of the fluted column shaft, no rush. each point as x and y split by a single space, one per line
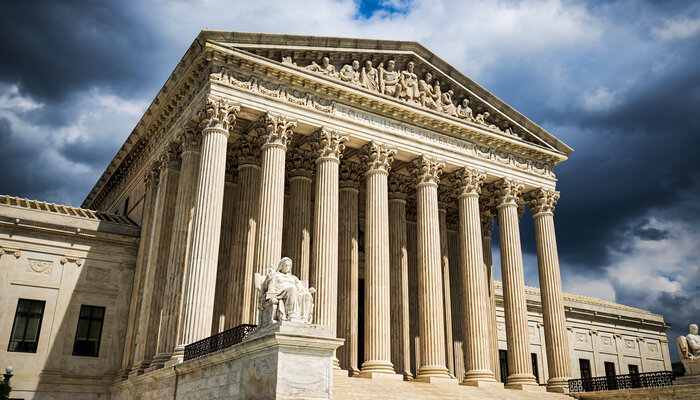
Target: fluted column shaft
324 273
430 290
299 230
179 243
517 333
200 275
220 320
400 328
445 258
275 133
377 293
486 228
555 333
348 270
240 302
456 294
476 301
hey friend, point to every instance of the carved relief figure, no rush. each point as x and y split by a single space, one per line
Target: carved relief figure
464 112
283 297
370 76
389 80
409 83
325 68
351 73
429 95
446 103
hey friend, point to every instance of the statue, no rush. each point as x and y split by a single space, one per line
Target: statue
409 83
325 68
389 80
689 350
464 112
283 297
429 95
446 103
288 60
350 73
370 76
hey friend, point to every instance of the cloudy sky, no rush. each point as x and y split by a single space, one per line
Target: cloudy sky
617 81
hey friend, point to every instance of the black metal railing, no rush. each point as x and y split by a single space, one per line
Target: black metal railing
617 382
218 342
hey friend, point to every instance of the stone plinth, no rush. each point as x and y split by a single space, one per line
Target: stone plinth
284 360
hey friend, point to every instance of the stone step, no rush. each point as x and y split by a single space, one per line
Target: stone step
351 388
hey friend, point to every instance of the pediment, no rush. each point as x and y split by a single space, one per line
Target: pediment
366 63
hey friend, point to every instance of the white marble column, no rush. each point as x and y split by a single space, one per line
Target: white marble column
476 300
412 247
426 171
300 169
398 257
329 146
542 202
200 273
155 274
275 135
377 158
444 199
220 320
130 357
169 330
487 216
507 192
348 264
241 296
456 294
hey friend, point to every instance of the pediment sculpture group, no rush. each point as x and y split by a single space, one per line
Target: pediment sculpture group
404 85
282 296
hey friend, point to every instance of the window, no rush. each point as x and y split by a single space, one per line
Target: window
25 330
535 371
585 367
503 361
634 375
610 375
87 337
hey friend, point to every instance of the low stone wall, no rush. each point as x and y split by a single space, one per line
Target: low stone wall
678 391
284 361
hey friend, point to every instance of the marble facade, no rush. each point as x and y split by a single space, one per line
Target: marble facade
380 171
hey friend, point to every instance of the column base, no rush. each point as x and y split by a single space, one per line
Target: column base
480 379
377 367
380 375
159 361
431 372
558 385
336 363
436 379
523 382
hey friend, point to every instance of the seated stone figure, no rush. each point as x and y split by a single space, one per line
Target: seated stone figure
689 350
283 297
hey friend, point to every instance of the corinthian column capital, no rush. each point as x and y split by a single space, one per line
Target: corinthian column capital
487 214
329 143
219 114
349 175
541 200
248 153
152 176
170 157
378 157
398 186
277 130
469 181
445 197
300 163
190 139
426 170
506 191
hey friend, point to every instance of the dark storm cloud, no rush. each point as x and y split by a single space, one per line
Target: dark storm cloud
54 48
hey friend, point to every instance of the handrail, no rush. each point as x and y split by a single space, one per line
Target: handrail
218 342
618 382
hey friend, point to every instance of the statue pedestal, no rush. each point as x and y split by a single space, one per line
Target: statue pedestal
283 360
692 367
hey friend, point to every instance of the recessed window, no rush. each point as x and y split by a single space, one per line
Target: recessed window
25 330
87 337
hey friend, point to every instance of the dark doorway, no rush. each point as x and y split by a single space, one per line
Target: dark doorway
634 375
503 361
585 367
610 375
535 371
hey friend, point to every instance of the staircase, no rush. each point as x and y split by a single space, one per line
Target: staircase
347 388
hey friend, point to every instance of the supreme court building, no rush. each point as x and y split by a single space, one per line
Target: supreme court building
379 169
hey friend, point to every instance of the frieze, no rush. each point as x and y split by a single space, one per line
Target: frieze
280 91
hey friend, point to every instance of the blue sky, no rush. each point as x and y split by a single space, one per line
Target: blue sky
619 81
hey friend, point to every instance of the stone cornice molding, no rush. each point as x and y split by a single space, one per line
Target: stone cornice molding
426 170
399 186
506 191
377 157
278 130
329 144
469 181
541 201
300 163
219 114
349 175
